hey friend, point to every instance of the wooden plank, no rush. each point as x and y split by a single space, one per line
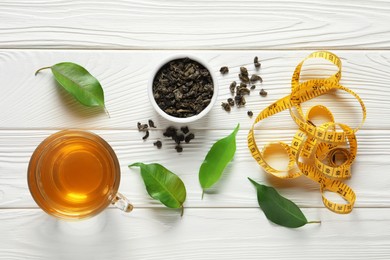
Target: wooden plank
30 102
199 234
195 25
369 179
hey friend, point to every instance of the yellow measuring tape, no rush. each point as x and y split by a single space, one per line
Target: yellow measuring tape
314 149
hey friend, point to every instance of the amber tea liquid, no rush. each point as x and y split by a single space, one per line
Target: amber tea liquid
73 174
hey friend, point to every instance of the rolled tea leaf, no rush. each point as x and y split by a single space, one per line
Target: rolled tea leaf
162 184
78 82
220 154
278 209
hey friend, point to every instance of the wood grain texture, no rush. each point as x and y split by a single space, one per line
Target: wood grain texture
203 24
200 234
36 102
121 43
370 179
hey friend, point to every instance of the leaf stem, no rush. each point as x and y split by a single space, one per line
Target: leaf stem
44 68
314 222
202 194
105 110
182 211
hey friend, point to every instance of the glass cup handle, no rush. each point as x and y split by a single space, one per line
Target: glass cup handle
122 203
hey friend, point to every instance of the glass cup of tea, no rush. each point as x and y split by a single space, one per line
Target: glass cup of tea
74 175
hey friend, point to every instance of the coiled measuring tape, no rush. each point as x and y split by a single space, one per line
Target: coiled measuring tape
314 149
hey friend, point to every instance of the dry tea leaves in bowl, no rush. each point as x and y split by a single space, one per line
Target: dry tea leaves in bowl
77 81
183 88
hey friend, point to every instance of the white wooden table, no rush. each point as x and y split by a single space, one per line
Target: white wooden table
120 42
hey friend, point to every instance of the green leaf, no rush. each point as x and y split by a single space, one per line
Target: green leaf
278 209
220 154
162 184
78 82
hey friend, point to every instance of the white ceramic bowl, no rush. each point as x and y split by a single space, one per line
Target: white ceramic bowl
179 119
